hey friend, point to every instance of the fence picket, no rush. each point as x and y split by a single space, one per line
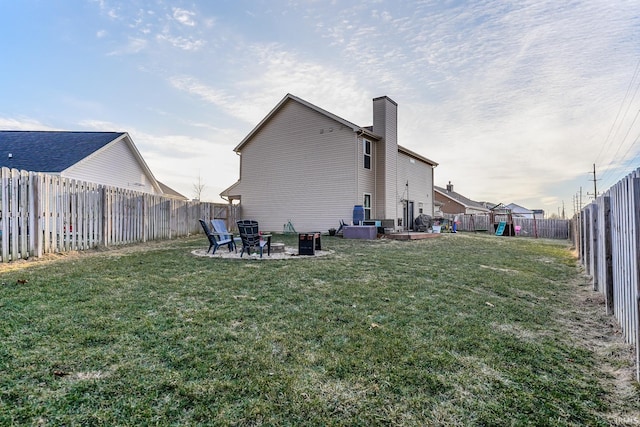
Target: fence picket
4 213
14 212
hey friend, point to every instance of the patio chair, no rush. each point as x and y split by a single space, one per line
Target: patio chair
251 237
214 239
220 230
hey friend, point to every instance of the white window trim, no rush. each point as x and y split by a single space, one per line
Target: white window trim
364 205
364 153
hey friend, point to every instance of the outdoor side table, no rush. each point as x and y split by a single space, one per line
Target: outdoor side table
309 243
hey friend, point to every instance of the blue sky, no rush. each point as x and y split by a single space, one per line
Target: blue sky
516 100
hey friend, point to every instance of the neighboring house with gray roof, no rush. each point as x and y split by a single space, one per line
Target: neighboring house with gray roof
107 158
310 166
170 192
456 203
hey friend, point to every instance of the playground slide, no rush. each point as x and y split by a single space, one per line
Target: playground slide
500 229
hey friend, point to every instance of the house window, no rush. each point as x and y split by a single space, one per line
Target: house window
366 203
366 150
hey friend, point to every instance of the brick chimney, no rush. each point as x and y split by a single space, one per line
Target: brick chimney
450 187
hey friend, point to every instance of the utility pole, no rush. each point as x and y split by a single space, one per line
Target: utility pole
580 199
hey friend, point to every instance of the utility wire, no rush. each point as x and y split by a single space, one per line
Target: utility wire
608 170
633 161
633 78
612 169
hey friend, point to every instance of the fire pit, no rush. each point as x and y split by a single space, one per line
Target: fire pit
277 248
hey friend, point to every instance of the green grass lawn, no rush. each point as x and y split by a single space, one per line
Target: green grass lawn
458 330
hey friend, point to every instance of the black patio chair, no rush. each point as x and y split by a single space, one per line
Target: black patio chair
217 239
251 237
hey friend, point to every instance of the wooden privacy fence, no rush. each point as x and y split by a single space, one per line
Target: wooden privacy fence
528 227
41 213
608 238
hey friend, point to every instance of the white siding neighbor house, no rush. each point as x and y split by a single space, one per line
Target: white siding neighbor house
107 158
306 165
520 211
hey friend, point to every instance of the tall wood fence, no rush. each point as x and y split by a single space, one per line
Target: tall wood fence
41 214
527 227
608 238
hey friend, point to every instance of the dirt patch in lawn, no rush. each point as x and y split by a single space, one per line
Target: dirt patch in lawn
591 328
99 251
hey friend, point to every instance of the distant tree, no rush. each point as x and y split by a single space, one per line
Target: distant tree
198 188
554 216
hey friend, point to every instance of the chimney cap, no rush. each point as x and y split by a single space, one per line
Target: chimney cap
387 98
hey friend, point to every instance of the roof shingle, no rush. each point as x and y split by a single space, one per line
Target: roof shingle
49 151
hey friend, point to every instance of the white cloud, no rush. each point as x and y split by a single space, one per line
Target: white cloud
99 126
184 43
133 46
24 123
105 9
185 17
195 87
278 72
177 160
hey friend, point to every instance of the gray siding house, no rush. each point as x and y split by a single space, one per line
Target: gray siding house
107 158
304 164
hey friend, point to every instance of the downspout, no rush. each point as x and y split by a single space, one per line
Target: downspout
357 186
374 202
396 185
433 194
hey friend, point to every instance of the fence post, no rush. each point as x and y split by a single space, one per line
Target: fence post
581 219
635 232
15 232
105 208
608 256
594 244
23 213
578 231
4 213
145 212
586 240
34 223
